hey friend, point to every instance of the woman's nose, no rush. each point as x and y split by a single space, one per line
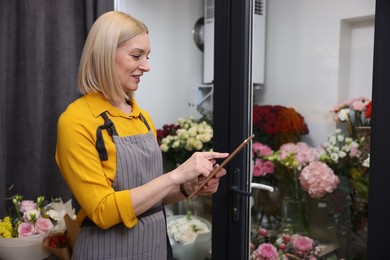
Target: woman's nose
144 66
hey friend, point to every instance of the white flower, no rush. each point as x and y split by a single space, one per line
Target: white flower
193 131
33 214
164 147
53 214
343 114
184 231
198 145
366 162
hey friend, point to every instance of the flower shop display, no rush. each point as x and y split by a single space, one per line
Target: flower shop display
190 236
276 125
273 127
353 114
28 223
332 179
177 143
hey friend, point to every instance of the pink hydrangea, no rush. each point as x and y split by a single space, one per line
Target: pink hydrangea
318 179
265 251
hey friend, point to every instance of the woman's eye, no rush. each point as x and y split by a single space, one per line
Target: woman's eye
136 56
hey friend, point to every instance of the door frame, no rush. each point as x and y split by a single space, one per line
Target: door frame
378 224
232 120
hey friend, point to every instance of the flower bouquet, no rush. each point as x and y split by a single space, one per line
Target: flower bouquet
58 245
286 245
276 125
179 141
27 224
353 114
296 170
190 236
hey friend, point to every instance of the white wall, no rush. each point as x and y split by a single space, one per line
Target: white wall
168 91
303 57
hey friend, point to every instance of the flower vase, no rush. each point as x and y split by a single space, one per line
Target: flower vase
321 221
294 206
267 209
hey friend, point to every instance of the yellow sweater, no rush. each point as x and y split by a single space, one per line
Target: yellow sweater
88 178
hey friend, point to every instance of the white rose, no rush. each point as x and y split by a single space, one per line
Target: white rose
198 145
204 138
164 147
192 131
190 144
176 144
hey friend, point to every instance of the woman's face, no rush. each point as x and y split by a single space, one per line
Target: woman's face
132 61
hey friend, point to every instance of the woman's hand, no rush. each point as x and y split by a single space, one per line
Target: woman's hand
212 185
198 167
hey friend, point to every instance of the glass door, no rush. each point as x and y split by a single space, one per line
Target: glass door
316 57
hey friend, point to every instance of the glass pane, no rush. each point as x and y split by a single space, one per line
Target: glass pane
318 64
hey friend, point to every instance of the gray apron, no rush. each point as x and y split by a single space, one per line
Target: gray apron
138 162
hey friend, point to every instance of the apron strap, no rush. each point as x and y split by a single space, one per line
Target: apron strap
100 146
109 125
143 119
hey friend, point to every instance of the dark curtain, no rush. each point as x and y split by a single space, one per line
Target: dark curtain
40 46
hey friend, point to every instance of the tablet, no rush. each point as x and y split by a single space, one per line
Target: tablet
212 174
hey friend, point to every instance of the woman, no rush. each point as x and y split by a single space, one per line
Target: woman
108 154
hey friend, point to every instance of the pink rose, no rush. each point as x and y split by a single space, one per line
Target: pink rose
302 243
27 205
26 229
266 251
43 225
262 168
286 238
262 232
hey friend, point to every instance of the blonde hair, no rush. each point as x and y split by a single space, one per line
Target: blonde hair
97 71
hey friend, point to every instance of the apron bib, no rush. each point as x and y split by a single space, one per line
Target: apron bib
139 161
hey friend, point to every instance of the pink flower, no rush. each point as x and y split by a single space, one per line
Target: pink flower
262 232
302 243
26 229
27 205
261 149
318 179
266 251
358 105
297 155
286 238
43 225
262 168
